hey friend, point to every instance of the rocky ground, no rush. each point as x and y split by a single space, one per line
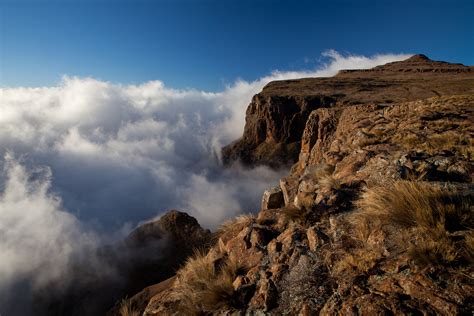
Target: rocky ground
375 217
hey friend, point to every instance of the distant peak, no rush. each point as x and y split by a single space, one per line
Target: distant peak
418 58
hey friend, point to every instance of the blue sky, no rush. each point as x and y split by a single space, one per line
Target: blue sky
208 44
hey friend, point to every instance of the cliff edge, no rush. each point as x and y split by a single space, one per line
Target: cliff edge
375 217
276 117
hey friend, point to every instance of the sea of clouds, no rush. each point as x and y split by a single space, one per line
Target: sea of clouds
84 161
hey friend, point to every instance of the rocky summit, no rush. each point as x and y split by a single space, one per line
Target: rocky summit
375 216
276 117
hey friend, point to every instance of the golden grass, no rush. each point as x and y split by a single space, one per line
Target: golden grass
434 251
469 247
205 283
417 204
126 309
431 213
329 183
369 139
318 171
361 260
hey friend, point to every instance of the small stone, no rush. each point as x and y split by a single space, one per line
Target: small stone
274 247
314 240
461 169
239 282
272 198
289 188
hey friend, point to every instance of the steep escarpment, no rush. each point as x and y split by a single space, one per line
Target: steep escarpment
375 217
276 117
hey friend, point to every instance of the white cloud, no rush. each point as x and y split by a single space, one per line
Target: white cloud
114 154
39 240
123 152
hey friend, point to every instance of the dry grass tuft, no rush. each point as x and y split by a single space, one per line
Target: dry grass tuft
418 204
430 212
329 183
294 214
369 139
469 247
318 171
361 260
205 283
432 251
126 309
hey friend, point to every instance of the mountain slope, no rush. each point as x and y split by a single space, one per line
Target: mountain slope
375 217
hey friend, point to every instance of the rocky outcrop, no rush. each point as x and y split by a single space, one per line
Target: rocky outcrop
273 128
374 218
155 250
432 137
276 117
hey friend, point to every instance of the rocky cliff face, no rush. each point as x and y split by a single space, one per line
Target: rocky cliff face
276 117
375 217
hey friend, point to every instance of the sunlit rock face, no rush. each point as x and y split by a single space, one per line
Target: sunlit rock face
276 117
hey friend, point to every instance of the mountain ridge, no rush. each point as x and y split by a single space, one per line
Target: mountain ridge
374 217
276 116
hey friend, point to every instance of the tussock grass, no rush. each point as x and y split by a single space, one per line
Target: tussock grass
418 204
434 251
469 247
432 213
360 260
329 183
126 309
318 171
205 283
